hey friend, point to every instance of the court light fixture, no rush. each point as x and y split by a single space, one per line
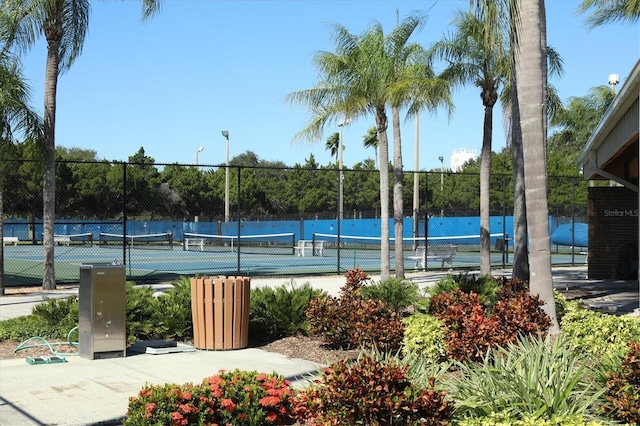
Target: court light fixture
198 152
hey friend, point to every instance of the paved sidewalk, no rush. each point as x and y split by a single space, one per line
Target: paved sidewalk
96 392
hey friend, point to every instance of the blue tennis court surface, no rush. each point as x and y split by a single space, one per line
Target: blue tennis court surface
23 263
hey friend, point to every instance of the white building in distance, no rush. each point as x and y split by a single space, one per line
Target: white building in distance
460 157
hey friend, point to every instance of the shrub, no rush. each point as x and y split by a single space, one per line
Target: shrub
61 313
485 287
602 335
174 310
531 378
143 319
424 336
455 305
398 293
170 404
511 288
521 314
350 321
561 304
249 398
502 419
469 331
280 312
25 327
623 388
51 319
240 398
370 392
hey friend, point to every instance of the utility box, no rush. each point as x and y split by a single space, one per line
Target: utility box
102 316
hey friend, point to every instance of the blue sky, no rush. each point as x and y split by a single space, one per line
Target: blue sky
174 83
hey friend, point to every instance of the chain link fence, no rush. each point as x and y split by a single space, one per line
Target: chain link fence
167 220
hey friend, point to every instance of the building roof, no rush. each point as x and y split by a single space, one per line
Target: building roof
612 151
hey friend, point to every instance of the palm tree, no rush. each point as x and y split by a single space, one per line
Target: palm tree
416 87
479 54
15 116
511 111
366 75
371 140
350 87
520 267
333 144
64 24
531 77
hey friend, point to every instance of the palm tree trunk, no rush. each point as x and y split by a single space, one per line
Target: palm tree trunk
531 72
49 175
382 123
398 180
520 254
485 174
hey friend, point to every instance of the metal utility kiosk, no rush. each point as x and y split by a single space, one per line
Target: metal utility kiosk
102 316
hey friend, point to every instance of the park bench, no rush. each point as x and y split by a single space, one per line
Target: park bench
304 245
62 239
197 242
10 240
442 252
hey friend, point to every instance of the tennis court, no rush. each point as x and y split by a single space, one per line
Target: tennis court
157 257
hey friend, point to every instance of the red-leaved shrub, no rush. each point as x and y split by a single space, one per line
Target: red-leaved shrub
520 315
623 388
352 321
370 392
471 329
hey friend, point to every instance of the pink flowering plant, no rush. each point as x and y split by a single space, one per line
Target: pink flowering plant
251 398
239 398
170 404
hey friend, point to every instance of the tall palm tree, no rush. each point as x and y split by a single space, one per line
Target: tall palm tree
531 77
16 116
350 87
370 140
479 54
416 87
333 144
64 24
511 112
366 75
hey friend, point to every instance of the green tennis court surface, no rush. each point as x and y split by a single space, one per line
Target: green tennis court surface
24 262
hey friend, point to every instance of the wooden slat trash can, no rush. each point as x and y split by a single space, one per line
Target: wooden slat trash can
220 312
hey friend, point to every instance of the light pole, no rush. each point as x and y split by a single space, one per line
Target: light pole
340 190
225 133
441 158
198 152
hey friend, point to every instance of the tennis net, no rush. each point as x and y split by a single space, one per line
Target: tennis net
162 241
259 244
68 239
374 243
